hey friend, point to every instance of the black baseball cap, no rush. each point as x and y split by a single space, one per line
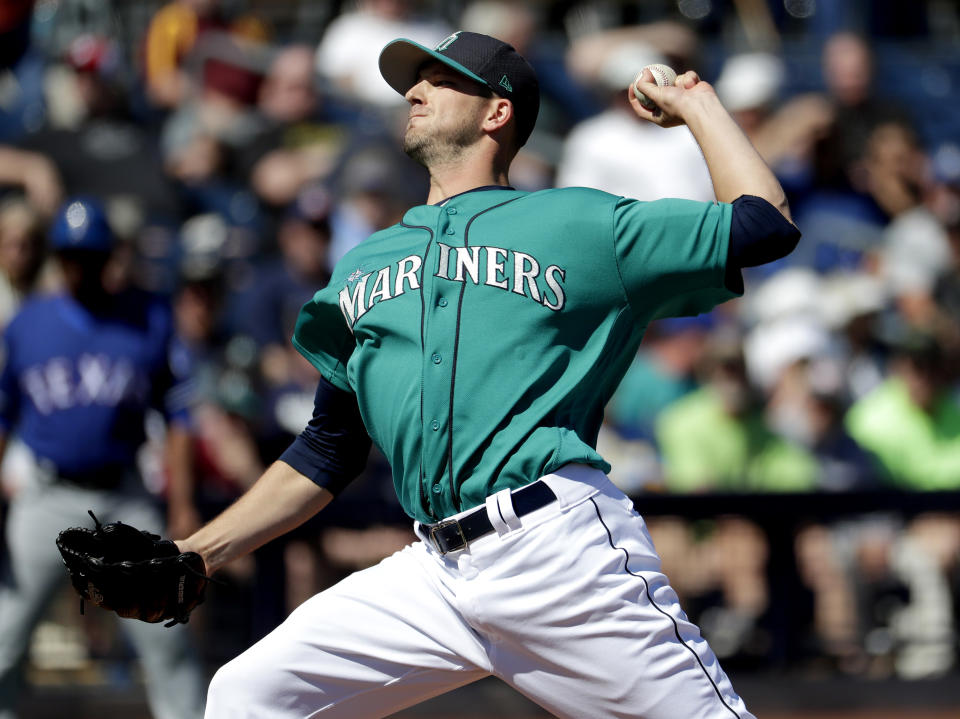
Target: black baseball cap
490 62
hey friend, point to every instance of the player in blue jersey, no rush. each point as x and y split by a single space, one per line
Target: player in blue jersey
80 370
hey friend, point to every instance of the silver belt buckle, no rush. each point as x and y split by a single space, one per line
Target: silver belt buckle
443 525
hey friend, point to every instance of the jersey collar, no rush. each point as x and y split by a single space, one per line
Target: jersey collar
484 188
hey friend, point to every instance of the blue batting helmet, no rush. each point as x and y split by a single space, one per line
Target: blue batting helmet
81 224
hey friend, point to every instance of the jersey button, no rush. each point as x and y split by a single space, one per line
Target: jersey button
437 359
435 424
451 210
437 489
442 302
451 231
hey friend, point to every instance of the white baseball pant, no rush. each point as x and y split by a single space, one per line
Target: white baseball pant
566 604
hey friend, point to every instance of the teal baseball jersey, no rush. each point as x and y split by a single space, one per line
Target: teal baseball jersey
483 337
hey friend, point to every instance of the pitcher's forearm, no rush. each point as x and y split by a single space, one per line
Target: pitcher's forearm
279 501
735 166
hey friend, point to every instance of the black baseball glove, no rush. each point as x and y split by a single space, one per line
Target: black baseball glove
133 572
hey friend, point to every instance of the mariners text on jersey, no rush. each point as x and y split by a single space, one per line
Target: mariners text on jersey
510 270
417 317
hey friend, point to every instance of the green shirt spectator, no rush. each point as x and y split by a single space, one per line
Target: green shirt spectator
706 447
661 373
917 448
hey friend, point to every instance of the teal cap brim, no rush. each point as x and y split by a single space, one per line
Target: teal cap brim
401 59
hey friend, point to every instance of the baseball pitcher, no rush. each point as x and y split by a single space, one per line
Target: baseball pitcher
476 343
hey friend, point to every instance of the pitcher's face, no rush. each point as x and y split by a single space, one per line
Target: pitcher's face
446 114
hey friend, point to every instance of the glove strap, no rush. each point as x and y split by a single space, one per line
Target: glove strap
95 520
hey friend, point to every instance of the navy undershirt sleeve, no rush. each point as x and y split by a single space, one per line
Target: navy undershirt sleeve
758 234
333 448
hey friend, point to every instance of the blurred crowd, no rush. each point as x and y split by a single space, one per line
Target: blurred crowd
239 156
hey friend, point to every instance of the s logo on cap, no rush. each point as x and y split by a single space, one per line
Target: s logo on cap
447 42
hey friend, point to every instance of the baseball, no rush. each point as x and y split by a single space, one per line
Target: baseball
662 75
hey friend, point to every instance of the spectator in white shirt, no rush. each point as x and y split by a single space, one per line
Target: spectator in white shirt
618 153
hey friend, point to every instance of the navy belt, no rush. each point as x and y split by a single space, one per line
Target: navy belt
454 534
